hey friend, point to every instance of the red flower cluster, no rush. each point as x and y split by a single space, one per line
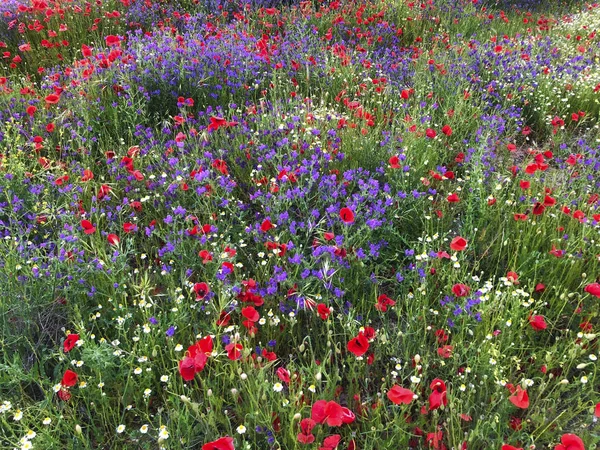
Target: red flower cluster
69 380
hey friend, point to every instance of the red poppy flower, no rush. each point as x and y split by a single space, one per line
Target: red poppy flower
224 443
383 301
201 290
86 51
438 396
306 438
328 236
597 410
221 166
461 290
129 227
593 289
223 319
206 256
538 323
103 191
331 442
266 225
359 345
394 162
112 40
234 351
447 130
64 395
113 239
306 425
430 133
538 209
204 345
31 110
458 244
87 226
570 442
87 175
52 99
188 367
520 398
510 447
284 375
196 358
398 394
331 413
216 123
369 333
323 311
61 180
69 379
549 201
515 423
453 198
70 342
250 313
513 277
346 215
445 351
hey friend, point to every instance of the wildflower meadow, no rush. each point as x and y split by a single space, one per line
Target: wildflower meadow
299 224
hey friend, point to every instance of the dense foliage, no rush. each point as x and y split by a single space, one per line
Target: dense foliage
276 225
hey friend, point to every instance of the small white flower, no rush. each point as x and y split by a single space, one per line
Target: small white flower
164 378
278 387
6 405
120 428
47 421
30 434
178 347
137 370
241 429
584 379
163 433
144 429
18 415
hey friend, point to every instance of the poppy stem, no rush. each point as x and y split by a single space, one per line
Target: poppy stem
547 426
